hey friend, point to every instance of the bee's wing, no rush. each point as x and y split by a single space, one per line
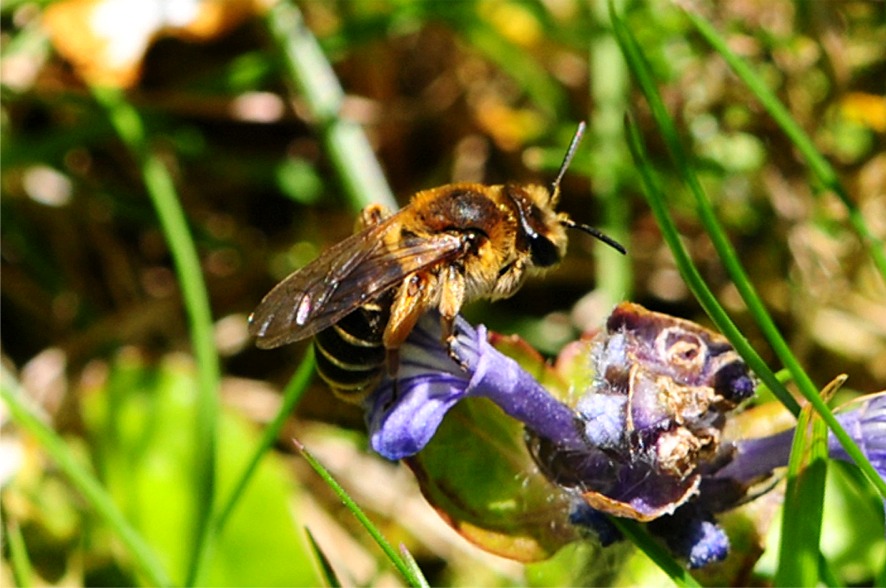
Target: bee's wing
349 274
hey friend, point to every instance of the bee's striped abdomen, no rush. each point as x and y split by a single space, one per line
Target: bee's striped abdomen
350 354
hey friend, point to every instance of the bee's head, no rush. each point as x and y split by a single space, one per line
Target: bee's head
540 225
541 229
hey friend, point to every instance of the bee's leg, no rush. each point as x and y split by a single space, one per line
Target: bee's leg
409 304
452 297
510 279
371 215
392 360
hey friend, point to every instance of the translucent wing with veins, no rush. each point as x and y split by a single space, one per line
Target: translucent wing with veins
344 277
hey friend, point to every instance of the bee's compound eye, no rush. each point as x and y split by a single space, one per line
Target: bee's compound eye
543 251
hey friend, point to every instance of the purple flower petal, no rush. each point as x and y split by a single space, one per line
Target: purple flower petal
404 413
404 427
866 424
502 380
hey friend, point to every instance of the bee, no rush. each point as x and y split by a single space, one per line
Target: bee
362 297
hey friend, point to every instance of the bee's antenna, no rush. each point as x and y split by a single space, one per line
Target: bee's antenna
571 224
555 193
570 153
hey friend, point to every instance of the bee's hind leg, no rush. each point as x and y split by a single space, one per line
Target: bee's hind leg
392 362
392 366
406 310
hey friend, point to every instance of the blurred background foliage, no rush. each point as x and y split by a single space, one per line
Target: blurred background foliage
93 323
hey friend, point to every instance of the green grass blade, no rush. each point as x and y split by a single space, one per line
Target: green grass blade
658 204
799 553
403 567
657 201
18 554
83 480
826 574
819 166
413 565
640 69
654 551
291 395
161 190
325 566
309 72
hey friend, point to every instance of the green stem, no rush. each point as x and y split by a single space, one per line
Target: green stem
291 395
609 87
312 76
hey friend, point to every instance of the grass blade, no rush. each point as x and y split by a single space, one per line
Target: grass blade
655 551
83 480
403 567
819 166
22 571
640 69
658 204
325 566
641 72
161 189
291 395
413 565
799 553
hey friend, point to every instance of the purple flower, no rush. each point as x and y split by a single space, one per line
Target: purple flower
640 435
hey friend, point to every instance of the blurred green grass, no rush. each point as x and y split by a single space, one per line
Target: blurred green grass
263 175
